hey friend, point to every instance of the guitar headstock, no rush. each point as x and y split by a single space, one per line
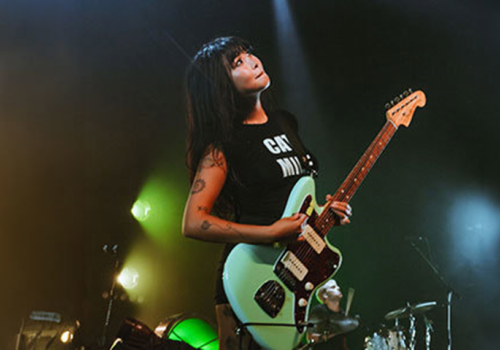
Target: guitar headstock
401 109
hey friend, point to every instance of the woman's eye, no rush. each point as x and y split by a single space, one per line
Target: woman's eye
237 62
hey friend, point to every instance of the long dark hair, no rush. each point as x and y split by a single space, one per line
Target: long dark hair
214 107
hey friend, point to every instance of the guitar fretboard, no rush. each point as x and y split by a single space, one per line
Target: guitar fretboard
351 184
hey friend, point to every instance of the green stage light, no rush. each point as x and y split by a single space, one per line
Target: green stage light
158 208
193 331
141 210
128 278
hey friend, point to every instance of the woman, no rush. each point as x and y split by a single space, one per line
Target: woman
242 165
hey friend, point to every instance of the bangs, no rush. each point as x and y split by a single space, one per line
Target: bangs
235 48
226 47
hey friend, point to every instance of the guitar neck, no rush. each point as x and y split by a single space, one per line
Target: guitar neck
351 184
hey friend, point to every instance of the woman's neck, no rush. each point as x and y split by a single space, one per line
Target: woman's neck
257 114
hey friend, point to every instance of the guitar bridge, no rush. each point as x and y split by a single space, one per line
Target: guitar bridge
270 298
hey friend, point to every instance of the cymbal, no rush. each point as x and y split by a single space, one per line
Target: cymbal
420 308
334 325
414 309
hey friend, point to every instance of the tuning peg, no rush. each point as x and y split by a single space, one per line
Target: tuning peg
397 99
410 90
406 93
388 105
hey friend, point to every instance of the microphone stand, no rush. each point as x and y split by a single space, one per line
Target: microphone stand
445 283
117 266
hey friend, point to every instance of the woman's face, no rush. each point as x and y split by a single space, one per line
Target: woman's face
248 74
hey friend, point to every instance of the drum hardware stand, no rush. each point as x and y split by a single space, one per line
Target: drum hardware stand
401 334
428 330
413 332
241 329
451 291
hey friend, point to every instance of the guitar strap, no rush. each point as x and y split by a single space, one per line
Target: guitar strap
305 157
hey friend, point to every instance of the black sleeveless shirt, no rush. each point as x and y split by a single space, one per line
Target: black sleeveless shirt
267 167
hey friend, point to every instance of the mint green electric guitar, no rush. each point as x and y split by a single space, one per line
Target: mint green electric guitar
269 287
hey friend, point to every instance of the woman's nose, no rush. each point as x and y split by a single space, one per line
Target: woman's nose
252 61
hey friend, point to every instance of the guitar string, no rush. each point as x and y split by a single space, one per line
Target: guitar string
373 149
304 251
323 219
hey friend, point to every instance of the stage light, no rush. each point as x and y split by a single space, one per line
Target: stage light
159 207
298 88
66 337
190 330
474 226
141 210
128 278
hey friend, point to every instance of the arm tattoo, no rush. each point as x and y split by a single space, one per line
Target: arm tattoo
205 209
198 186
227 227
211 162
205 225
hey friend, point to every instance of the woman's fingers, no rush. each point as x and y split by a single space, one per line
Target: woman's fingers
343 211
342 207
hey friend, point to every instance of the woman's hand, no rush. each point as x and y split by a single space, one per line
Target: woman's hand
287 229
342 211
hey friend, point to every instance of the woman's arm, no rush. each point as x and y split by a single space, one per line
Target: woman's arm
198 223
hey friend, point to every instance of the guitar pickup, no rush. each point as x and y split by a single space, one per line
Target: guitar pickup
294 265
314 240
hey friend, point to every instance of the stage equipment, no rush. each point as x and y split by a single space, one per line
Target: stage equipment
414 309
386 339
451 292
128 278
270 287
135 335
118 263
410 311
332 326
141 210
190 329
46 331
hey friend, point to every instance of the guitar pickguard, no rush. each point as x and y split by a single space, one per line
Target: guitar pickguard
320 263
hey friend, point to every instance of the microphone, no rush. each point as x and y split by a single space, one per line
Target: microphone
112 250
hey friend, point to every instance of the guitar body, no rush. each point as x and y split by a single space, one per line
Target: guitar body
271 285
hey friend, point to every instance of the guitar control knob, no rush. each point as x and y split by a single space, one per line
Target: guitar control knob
302 302
309 286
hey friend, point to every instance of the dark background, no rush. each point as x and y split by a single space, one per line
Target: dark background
91 106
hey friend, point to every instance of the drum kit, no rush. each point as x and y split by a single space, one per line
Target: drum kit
398 337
